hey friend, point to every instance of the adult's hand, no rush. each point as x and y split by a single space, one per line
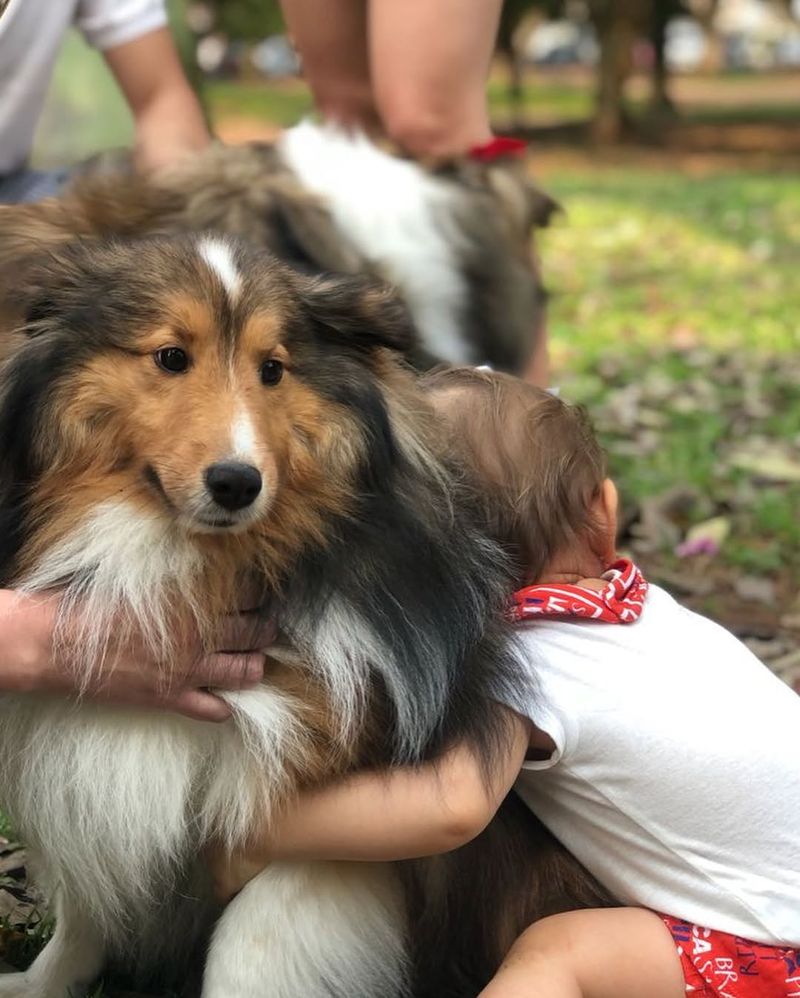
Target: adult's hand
131 674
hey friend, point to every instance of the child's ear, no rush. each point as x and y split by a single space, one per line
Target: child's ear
606 508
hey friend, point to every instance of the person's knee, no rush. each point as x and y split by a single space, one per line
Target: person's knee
423 134
426 130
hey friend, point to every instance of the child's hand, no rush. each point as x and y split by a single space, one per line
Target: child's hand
230 872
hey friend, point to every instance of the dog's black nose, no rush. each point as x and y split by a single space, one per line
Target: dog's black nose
233 485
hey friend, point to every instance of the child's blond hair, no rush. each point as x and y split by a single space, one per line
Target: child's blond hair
536 460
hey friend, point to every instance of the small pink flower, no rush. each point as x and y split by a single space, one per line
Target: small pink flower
696 546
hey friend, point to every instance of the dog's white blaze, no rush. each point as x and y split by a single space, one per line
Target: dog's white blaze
333 929
243 435
219 257
396 215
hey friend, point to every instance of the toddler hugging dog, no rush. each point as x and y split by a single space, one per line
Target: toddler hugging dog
654 745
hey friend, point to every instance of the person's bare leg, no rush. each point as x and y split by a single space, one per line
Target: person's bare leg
430 61
608 953
331 37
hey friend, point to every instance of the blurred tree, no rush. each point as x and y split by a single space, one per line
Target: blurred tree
617 24
248 20
705 12
511 16
662 13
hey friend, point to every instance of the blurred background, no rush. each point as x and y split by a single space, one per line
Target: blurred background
670 134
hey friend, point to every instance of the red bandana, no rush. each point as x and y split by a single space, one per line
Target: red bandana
620 602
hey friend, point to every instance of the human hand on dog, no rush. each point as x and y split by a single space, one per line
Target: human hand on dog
131 675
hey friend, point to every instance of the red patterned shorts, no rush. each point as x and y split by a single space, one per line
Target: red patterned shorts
718 965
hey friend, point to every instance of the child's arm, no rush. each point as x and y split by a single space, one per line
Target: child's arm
380 816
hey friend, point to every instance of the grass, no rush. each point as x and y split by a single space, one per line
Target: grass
283 104
547 98
679 294
644 257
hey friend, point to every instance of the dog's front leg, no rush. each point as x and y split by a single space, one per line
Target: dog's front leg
67 965
312 930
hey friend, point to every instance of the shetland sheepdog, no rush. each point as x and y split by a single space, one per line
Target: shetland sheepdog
456 243
181 418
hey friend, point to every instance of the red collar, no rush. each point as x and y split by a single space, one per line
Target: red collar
498 148
620 602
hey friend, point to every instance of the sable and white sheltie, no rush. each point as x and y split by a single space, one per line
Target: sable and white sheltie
181 417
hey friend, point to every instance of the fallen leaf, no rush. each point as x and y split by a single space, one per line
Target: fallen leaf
705 538
787 663
755 589
13 862
7 904
769 462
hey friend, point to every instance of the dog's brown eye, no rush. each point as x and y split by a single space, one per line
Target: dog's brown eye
271 372
172 359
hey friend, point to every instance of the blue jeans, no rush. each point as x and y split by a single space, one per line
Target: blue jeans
31 185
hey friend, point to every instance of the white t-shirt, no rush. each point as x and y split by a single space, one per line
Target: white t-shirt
31 33
676 779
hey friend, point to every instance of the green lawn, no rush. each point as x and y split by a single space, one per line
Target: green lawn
644 255
280 104
676 319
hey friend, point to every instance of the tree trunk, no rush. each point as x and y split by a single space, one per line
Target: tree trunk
509 22
661 102
615 24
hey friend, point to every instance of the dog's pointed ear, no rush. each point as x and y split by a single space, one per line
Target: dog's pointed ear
27 304
359 312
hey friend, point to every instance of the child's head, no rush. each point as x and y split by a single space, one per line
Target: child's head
539 466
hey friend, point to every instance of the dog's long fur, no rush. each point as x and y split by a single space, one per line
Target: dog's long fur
364 543
456 244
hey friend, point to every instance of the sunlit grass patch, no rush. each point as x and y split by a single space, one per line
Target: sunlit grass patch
644 257
279 104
